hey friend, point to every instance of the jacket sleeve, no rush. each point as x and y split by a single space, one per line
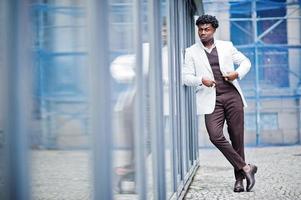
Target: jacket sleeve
189 77
244 64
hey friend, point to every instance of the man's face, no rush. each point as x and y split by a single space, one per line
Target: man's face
206 32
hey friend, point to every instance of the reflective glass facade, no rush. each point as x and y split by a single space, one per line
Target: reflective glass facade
92 104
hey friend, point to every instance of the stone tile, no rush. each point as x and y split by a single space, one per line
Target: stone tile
278 176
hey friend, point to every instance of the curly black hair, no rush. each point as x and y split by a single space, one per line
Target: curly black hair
207 19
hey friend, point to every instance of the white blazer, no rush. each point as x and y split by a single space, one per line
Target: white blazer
197 66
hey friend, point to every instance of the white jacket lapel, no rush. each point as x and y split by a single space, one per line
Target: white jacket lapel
204 59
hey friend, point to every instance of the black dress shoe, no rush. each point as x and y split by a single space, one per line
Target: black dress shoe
250 176
239 186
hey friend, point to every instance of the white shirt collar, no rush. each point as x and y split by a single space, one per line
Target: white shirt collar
208 49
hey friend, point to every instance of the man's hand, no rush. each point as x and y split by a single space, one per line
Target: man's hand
231 76
208 82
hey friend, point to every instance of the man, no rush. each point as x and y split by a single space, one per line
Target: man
209 65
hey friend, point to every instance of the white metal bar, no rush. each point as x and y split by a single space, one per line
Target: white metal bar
18 98
254 17
100 98
156 95
181 94
180 175
258 19
171 80
140 114
290 46
276 18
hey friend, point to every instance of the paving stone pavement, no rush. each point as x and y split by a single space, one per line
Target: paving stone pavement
67 175
61 175
278 176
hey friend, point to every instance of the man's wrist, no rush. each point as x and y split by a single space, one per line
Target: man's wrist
236 74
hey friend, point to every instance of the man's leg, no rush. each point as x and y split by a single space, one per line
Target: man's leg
214 124
234 114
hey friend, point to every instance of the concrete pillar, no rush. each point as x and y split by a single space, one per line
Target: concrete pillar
3 152
223 32
2 64
294 38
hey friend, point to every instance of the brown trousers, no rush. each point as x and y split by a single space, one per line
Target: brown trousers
228 107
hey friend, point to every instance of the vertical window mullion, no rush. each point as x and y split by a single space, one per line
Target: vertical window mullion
156 99
101 98
140 115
